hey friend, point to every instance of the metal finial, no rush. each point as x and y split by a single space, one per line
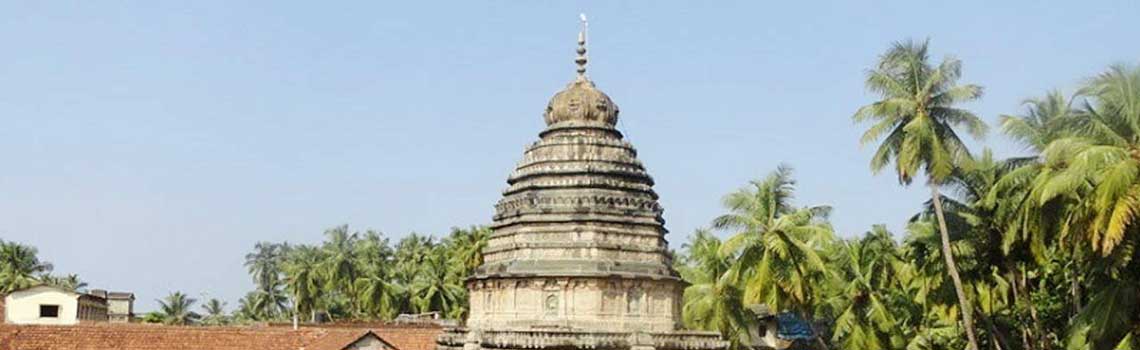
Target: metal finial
582 58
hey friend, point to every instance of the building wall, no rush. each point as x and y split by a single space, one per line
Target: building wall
92 309
612 304
23 307
119 310
119 306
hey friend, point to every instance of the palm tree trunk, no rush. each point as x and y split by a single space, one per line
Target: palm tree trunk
1038 334
1075 290
1013 277
964 304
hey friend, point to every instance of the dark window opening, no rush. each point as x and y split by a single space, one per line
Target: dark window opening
51 311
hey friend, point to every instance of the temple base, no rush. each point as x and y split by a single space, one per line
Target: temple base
562 339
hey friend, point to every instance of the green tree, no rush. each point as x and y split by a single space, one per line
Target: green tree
265 266
152 317
467 246
340 264
774 244
264 263
378 294
1093 173
711 301
1102 153
411 251
916 120
215 313
438 286
410 255
176 309
303 279
70 282
866 282
19 267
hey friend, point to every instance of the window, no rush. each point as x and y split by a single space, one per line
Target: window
49 311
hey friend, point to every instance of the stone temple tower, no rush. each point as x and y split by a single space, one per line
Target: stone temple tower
577 257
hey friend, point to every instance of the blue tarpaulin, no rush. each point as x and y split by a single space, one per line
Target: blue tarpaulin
793 327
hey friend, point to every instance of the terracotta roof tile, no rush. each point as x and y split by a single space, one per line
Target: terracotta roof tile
153 337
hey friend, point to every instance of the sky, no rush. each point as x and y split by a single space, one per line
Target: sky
147 145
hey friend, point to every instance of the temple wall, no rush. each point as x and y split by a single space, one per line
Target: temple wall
578 303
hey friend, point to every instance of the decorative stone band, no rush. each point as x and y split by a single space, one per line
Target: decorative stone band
580 127
463 339
591 199
607 141
576 181
575 268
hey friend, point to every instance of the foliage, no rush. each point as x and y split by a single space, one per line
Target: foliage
354 275
175 309
916 120
215 313
20 267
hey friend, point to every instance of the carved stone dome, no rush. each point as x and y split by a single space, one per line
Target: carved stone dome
581 103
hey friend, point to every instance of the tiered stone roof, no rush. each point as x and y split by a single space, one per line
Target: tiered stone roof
579 203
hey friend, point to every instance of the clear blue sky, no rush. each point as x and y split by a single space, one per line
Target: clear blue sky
148 145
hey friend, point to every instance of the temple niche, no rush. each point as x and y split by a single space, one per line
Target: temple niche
577 257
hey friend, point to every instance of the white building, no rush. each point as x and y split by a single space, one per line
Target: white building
47 305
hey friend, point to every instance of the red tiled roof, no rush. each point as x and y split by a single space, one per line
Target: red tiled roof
153 337
337 340
410 337
341 339
418 336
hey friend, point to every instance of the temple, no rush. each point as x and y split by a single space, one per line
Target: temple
578 256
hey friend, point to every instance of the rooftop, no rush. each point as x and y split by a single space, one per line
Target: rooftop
159 337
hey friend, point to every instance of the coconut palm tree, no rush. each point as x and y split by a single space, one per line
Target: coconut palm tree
438 287
775 245
1094 172
303 279
377 293
70 282
1045 119
866 276
711 302
1103 156
340 265
916 120
264 263
215 313
468 245
176 309
19 267
1028 223
410 254
374 251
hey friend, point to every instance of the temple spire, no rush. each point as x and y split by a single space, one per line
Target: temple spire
582 58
